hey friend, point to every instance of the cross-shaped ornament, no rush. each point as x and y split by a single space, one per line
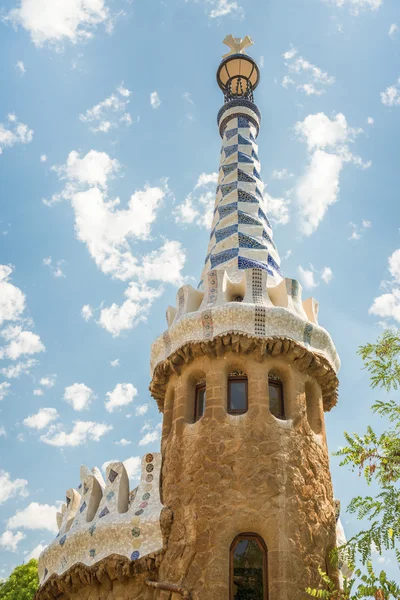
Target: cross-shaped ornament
237 45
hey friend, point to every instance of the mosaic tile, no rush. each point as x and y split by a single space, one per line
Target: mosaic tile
231 132
227 209
247 241
259 320
227 169
247 263
207 322
212 287
112 476
243 176
227 188
308 330
229 150
244 196
243 140
225 232
222 257
243 158
256 287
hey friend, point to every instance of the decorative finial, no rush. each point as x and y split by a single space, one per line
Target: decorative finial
237 45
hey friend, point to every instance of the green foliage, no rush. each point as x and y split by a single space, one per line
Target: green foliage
22 583
376 457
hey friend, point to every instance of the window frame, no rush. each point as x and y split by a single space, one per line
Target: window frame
277 383
199 388
233 411
262 545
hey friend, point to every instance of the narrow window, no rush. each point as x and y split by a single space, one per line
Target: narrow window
237 394
199 402
248 568
276 401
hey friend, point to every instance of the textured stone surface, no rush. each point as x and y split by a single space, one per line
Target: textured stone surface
227 474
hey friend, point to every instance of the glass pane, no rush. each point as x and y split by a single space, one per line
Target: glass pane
200 402
276 400
238 395
248 567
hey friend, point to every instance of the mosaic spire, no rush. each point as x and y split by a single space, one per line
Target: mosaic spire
241 234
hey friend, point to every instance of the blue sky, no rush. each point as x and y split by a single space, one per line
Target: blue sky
109 153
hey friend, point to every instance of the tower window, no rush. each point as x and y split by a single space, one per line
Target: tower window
199 401
276 401
248 568
237 394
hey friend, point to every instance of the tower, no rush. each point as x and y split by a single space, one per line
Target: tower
243 375
239 504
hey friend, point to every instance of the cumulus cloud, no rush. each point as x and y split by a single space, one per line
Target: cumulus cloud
114 363
151 434
109 233
13 133
222 8
123 442
393 30
21 368
390 97
20 67
327 275
281 174
308 276
10 488
328 146
356 6
141 410
10 540
387 305
55 268
82 432
277 209
55 22
41 419
48 381
109 113
35 516
358 230
155 100
12 300
305 76
19 342
36 552
122 395
5 388
79 396
86 312
198 206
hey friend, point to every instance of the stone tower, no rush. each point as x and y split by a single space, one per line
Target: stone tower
239 504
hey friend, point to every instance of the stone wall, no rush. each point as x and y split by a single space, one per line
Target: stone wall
226 474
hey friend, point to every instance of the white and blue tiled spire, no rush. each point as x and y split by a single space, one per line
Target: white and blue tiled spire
241 234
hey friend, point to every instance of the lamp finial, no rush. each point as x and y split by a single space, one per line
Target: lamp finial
237 45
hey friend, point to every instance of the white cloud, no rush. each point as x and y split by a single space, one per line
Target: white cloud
43 158
282 174
311 79
154 100
388 305
56 21
41 419
307 278
38 392
4 389
393 30
22 368
114 363
370 120
109 113
35 516
9 488
153 434
36 552
12 300
3 431
327 275
109 233
123 442
82 432
358 230
48 381
86 312
55 269
328 145
20 67
199 207
224 8
122 395
20 342
356 6
141 410
390 97
14 133
277 209
132 466
10 540
79 396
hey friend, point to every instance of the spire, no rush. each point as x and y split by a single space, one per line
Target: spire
241 234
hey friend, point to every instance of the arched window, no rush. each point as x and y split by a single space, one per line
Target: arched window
199 401
248 568
237 393
276 399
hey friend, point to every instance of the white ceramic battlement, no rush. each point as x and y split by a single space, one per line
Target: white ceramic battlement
243 302
104 517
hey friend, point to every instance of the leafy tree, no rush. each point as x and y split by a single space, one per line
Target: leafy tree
377 458
22 583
